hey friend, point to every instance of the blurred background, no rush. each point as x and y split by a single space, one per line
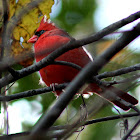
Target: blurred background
80 18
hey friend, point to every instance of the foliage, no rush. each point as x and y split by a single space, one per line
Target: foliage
75 12
74 17
27 25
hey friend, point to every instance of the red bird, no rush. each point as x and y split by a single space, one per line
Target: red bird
48 38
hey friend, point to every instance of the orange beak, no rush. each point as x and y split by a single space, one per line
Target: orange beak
33 39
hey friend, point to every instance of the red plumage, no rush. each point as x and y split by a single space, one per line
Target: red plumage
48 38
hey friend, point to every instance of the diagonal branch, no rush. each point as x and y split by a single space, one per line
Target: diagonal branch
62 127
50 116
73 44
30 93
62 86
119 71
131 130
126 80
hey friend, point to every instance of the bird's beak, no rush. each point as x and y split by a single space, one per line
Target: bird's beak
33 39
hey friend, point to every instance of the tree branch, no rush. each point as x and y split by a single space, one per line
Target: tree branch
67 64
62 127
119 71
50 116
73 44
5 19
30 93
131 130
62 86
130 79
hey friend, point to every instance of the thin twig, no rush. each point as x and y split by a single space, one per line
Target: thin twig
112 118
119 72
60 86
73 44
126 80
131 130
92 68
67 64
61 127
30 93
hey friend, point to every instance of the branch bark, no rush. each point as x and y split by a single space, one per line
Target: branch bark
62 127
50 116
73 44
119 72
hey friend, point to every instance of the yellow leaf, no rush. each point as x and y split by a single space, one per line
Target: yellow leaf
29 23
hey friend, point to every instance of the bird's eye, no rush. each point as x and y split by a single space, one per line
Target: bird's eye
39 33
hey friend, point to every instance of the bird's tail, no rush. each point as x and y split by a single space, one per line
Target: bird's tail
114 95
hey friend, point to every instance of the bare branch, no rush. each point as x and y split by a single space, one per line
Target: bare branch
131 130
5 19
67 64
73 44
48 119
50 116
119 71
30 93
62 86
62 127
126 80
109 29
112 118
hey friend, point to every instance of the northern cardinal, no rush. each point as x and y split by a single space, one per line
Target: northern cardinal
48 38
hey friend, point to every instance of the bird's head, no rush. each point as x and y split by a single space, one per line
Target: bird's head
45 25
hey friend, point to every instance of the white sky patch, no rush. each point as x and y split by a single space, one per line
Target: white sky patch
110 11
22 111
16 1
56 8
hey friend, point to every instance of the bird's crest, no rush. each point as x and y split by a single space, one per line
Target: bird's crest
45 19
46 24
